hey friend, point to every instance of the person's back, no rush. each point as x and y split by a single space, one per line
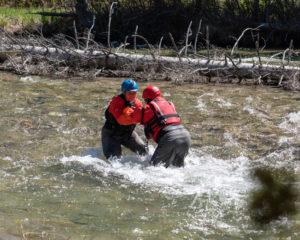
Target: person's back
162 124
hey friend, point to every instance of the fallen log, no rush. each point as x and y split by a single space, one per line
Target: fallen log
184 69
113 60
4 54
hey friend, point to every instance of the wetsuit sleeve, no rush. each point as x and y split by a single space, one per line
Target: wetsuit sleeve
125 115
147 115
137 113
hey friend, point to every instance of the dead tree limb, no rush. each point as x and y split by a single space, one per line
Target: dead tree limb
196 37
290 51
111 11
207 42
148 44
175 47
257 49
89 34
237 41
125 43
61 57
283 56
159 45
188 34
76 34
134 38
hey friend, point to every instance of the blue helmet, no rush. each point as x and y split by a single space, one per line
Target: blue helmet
129 85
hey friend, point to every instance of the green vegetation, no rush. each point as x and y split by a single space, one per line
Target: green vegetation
30 3
22 16
17 19
224 19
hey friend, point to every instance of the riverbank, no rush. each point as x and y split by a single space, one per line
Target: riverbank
60 58
80 55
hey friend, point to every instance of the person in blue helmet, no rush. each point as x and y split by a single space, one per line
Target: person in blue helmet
121 119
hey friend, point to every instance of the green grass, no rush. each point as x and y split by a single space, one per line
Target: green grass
13 17
21 15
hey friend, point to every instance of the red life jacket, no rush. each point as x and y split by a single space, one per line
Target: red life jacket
164 114
111 122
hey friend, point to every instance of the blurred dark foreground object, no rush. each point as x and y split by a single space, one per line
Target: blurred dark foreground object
276 196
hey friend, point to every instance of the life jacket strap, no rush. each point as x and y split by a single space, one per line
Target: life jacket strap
143 111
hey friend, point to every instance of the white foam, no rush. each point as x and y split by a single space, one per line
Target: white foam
138 231
230 140
201 174
28 79
291 122
275 160
249 99
249 109
283 140
201 105
7 158
222 103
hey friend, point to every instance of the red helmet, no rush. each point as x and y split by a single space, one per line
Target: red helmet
151 92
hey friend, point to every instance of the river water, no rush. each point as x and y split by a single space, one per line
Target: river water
56 184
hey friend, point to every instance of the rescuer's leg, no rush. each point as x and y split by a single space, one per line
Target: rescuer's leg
111 146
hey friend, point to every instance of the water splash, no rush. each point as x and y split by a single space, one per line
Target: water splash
291 122
201 174
29 79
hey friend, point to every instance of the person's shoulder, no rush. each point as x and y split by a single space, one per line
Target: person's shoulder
117 98
116 102
161 98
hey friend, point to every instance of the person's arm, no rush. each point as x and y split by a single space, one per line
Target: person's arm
128 117
125 116
147 114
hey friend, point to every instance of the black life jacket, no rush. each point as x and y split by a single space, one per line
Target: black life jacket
164 114
111 122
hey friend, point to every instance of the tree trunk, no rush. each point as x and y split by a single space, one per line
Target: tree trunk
84 17
267 6
256 10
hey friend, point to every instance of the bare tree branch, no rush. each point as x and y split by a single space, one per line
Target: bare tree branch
89 34
188 34
237 41
76 35
111 11
175 47
149 46
207 42
159 45
196 37
134 38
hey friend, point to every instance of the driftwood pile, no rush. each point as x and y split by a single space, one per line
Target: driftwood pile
65 56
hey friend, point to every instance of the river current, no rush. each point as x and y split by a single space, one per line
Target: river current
56 184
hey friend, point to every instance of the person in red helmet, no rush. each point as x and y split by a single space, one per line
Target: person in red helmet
162 123
121 119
